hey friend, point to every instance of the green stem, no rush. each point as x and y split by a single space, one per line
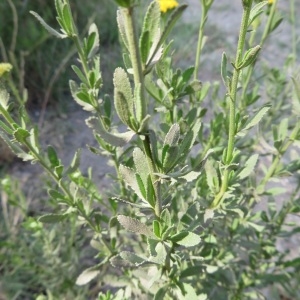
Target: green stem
139 81
232 103
276 160
262 41
200 40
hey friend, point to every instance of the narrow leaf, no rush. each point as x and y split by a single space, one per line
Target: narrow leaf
47 27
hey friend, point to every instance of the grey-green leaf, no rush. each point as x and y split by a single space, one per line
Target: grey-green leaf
115 139
47 27
254 120
249 166
134 225
51 218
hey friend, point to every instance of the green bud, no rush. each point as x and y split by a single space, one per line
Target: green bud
249 57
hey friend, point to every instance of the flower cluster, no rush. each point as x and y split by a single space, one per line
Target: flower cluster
167 4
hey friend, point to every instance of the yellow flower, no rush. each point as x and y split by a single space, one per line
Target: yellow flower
4 68
167 4
270 1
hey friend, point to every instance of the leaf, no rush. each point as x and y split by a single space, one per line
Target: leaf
150 29
87 275
85 103
156 228
191 176
21 135
128 175
4 98
114 139
160 294
209 214
224 69
141 165
249 166
132 258
121 26
52 156
186 239
172 136
212 176
175 15
122 108
134 225
67 19
150 195
52 218
122 85
256 11
157 251
93 41
47 27
188 141
254 120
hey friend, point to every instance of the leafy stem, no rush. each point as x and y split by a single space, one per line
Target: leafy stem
139 81
231 98
276 160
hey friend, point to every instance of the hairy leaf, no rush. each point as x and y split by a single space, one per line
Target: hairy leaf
134 225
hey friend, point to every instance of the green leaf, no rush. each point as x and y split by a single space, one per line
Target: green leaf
256 11
166 217
52 156
254 120
169 157
67 19
186 239
134 225
79 74
75 162
156 228
47 27
82 100
160 294
52 218
151 198
249 166
55 195
21 135
150 29
188 141
93 41
224 70
141 185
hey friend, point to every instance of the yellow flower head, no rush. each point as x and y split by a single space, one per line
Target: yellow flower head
270 1
167 4
4 68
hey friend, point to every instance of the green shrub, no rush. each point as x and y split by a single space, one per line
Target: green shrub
192 211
